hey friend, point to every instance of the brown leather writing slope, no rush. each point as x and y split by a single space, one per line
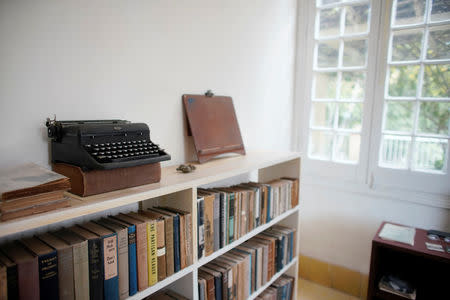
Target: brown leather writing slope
213 124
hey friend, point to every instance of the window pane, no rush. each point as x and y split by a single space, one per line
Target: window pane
399 116
409 12
329 22
440 10
434 117
355 53
356 18
347 147
323 2
395 151
436 81
430 154
352 85
350 115
328 54
323 114
403 81
406 45
439 44
326 85
320 144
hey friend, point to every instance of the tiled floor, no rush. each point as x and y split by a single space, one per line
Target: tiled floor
308 290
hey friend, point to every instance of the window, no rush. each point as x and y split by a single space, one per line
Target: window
377 100
416 119
339 77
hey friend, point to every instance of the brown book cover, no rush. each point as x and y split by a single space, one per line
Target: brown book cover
244 272
295 190
209 222
3 283
65 264
141 249
224 136
271 255
80 261
226 288
160 242
25 202
210 290
11 276
122 245
101 181
176 296
35 209
28 180
168 232
27 270
188 230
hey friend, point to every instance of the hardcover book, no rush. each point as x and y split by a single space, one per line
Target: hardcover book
48 267
65 264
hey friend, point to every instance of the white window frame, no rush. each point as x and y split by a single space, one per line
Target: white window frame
398 178
366 177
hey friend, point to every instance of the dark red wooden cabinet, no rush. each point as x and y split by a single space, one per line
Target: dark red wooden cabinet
428 271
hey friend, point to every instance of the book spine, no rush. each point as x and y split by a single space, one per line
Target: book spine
152 257
223 218
209 225
95 269
110 270
132 265
48 276
28 277
182 242
65 274
81 270
218 287
3 284
161 249
12 283
176 243
231 208
188 229
122 244
201 227
216 221
141 254
168 222
269 203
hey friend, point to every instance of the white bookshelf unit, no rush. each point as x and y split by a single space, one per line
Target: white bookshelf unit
178 190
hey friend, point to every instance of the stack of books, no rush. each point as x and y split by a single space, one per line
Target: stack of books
31 189
281 289
243 270
228 213
110 258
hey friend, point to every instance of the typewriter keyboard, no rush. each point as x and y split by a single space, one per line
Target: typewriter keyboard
123 151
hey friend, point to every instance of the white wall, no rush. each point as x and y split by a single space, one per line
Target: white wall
134 59
337 226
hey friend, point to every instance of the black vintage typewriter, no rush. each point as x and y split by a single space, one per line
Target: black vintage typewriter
103 144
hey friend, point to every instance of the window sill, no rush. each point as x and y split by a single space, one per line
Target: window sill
377 191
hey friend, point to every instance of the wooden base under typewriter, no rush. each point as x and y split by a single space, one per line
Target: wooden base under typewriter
101 181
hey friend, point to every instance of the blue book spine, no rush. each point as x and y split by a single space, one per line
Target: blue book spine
218 287
269 199
48 276
291 246
284 293
176 242
111 267
132 259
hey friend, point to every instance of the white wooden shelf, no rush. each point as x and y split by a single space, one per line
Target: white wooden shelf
178 190
171 181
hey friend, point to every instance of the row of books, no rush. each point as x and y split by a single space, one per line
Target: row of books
280 289
110 258
246 268
226 214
